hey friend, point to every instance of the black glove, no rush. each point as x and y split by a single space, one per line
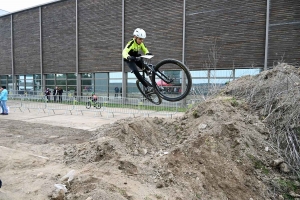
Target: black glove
131 58
149 53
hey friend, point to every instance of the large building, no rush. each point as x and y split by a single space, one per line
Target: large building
77 44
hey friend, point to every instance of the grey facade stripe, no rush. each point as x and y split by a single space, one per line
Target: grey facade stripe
267 35
41 47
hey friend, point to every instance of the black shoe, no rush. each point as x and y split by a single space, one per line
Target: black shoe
0 183
5 113
2 113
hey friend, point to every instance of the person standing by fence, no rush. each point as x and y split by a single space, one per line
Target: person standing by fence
55 93
3 99
116 91
60 92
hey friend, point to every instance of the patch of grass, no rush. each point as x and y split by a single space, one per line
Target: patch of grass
198 196
234 102
287 184
258 164
195 114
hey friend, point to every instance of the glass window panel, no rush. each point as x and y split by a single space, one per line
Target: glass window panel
101 89
71 76
60 76
219 81
71 89
71 82
87 88
199 81
115 75
9 78
221 73
87 75
101 75
3 81
50 82
49 76
131 75
244 72
29 82
37 76
199 73
37 82
3 77
29 76
86 82
60 82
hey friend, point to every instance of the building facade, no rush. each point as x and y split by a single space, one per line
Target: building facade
77 44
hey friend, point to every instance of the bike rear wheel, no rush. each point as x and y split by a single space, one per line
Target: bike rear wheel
172 80
88 105
152 96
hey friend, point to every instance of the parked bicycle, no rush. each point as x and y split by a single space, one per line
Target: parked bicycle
91 103
171 80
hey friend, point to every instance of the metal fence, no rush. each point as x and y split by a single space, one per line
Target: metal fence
79 105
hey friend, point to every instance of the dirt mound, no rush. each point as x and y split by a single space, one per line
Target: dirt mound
216 151
241 144
274 95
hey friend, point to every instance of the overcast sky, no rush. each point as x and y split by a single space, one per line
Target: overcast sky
16 5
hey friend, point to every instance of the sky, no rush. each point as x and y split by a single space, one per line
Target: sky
16 5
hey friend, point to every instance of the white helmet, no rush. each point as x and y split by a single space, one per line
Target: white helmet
140 33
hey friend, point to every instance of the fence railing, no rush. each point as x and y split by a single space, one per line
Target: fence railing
79 105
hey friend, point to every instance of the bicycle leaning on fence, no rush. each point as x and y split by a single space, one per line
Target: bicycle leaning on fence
91 103
171 80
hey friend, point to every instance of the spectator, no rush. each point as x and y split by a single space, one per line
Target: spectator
116 91
60 92
3 100
121 91
55 93
47 94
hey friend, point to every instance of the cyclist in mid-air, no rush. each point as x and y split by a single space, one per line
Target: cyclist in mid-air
131 51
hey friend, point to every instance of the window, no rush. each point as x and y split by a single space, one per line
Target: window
244 72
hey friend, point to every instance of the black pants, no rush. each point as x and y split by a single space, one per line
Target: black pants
132 65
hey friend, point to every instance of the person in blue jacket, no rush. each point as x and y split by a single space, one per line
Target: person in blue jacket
3 99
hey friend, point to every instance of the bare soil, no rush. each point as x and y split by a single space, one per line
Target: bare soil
219 149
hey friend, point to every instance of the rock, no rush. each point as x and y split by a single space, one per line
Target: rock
266 148
58 195
145 151
202 126
89 198
159 185
277 162
280 197
293 194
284 168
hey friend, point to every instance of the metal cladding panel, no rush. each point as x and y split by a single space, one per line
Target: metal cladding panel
59 37
284 32
163 22
100 35
26 29
223 34
5 45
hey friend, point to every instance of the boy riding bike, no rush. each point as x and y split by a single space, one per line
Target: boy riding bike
131 51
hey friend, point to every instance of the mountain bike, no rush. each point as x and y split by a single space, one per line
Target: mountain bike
171 80
91 103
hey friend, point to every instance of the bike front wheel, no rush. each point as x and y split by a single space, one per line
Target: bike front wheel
152 96
88 105
172 80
